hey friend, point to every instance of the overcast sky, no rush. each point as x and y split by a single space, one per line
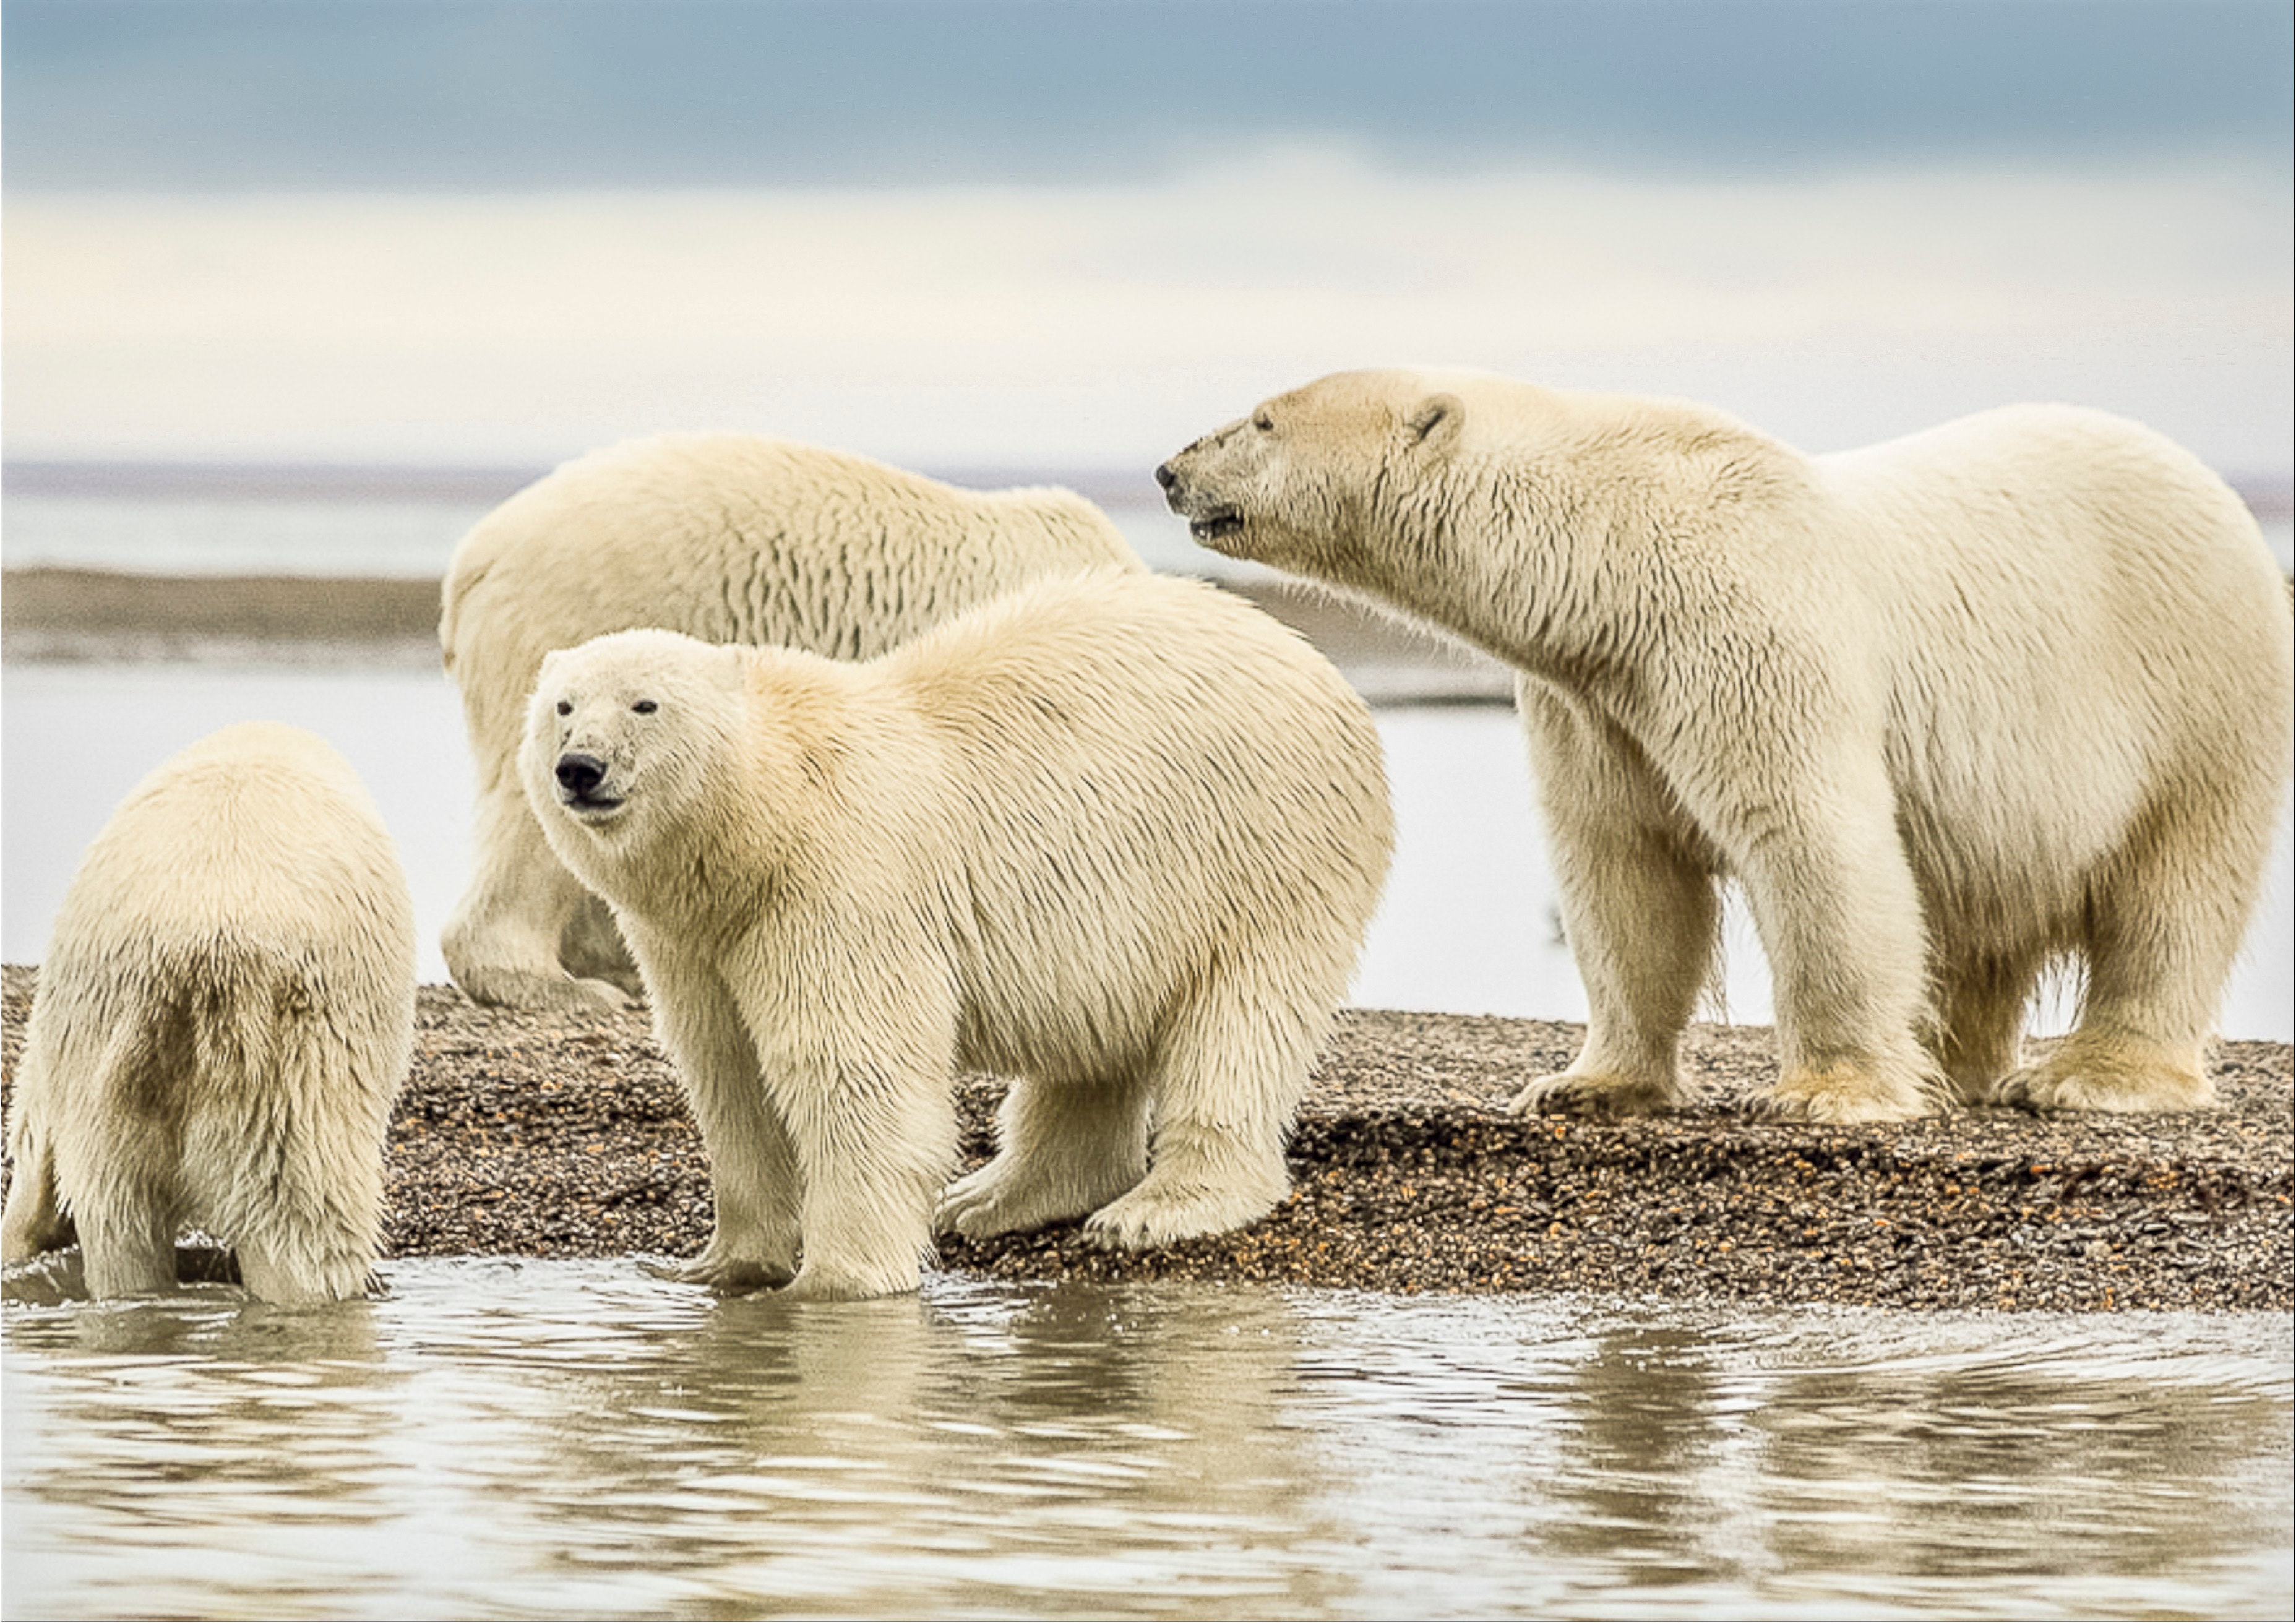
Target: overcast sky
425 94
1044 234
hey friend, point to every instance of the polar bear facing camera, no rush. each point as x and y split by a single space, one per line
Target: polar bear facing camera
2013 691
1115 837
734 538
223 1021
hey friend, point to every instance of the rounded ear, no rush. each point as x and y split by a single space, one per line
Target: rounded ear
1434 423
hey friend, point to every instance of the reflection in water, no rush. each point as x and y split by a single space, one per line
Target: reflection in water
2061 1469
238 1447
1054 1451
1644 1438
505 1440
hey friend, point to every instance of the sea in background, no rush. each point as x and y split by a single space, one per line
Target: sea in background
1468 924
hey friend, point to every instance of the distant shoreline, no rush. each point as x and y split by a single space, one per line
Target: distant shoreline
2271 495
1109 486
51 616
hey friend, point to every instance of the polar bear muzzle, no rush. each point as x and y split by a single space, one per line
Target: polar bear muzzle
1208 523
580 779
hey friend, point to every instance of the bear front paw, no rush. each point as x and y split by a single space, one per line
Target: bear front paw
732 1277
1841 1095
831 1283
1595 1093
550 993
994 1200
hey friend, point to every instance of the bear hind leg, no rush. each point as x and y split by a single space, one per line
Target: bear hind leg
508 937
1225 1080
1980 1014
34 1220
2164 927
1063 1149
128 1240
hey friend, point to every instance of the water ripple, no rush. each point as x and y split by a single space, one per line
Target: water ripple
501 1438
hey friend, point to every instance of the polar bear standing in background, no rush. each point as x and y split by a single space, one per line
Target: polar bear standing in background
1116 837
223 1021
732 538
1951 708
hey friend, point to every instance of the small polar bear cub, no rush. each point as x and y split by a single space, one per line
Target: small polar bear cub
1115 837
2008 692
732 538
223 1022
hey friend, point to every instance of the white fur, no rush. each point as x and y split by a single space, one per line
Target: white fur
732 538
1951 708
223 1021
1113 836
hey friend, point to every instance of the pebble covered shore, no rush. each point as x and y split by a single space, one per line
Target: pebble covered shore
532 1137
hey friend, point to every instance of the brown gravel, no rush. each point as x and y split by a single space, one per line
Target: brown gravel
546 1139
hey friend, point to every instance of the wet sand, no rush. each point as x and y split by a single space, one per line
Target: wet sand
532 1137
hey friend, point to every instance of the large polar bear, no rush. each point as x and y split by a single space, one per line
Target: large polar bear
224 1018
734 538
1951 708
1114 836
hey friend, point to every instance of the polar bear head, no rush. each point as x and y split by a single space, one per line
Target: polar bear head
1307 478
625 732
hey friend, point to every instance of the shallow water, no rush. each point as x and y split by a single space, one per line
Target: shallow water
501 1438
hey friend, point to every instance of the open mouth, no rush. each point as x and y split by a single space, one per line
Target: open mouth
1216 526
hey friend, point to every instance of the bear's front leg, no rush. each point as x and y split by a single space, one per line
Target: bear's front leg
859 1049
1839 916
755 1185
1638 894
875 1139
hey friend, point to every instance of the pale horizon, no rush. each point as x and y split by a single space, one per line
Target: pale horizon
1012 236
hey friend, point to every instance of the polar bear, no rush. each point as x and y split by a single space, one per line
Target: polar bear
224 1018
2010 692
734 539
1115 836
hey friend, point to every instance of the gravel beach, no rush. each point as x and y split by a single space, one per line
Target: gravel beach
531 1137
519 1136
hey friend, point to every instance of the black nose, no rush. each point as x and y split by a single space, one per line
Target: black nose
580 775
1165 477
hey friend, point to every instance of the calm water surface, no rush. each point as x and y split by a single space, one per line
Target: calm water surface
512 1440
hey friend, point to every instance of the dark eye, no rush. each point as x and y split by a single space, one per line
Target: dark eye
646 707
1262 422
565 707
